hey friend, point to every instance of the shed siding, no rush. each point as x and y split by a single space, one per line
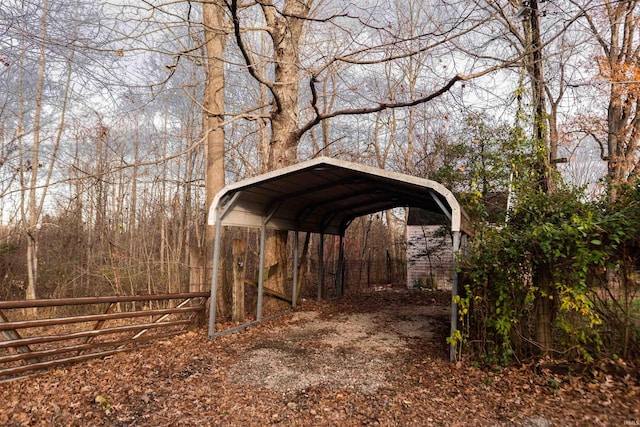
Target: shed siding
429 257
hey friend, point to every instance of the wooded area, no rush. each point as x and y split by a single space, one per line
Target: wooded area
120 121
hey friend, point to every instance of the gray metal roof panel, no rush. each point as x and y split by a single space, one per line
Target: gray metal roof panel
324 194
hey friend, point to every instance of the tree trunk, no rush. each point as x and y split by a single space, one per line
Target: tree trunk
286 31
196 268
34 166
214 20
543 309
32 267
542 272
618 64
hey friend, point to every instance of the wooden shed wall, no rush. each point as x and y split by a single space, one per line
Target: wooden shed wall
429 256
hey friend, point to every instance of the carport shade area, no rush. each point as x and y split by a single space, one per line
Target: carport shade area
324 195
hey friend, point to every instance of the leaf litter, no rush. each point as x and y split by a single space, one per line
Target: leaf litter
377 358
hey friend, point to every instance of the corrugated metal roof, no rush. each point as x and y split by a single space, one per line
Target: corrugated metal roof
325 195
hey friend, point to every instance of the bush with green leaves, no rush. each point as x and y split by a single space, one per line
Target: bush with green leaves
591 252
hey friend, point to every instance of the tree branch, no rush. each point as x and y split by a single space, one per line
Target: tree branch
251 66
380 107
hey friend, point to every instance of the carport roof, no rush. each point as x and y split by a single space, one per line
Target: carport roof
325 194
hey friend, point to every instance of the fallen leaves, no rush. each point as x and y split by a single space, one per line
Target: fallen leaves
333 363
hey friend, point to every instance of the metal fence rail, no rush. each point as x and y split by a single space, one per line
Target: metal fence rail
38 340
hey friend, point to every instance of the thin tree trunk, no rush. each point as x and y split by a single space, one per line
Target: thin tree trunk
32 221
542 272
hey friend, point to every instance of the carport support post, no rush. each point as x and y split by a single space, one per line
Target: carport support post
214 275
321 266
454 293
294 290
219 213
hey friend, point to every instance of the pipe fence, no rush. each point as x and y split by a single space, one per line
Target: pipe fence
40 334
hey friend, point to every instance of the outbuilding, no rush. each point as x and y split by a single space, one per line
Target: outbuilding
324 195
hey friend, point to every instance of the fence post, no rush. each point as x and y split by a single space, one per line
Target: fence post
238 249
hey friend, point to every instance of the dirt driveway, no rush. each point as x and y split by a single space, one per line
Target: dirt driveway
345 349
370 359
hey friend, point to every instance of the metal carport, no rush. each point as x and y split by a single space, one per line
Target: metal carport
324 195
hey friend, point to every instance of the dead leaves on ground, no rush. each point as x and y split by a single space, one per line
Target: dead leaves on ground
187 380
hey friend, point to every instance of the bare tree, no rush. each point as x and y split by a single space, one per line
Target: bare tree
613 26
35 172
297 68
538 43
